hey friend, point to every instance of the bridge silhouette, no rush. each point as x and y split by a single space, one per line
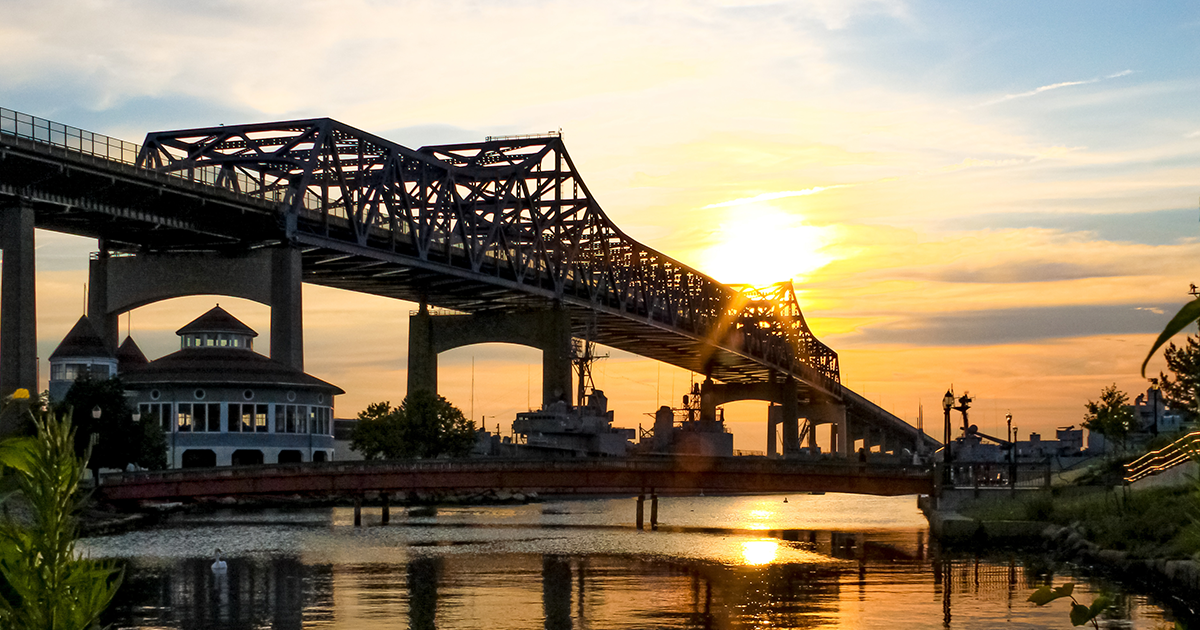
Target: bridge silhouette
500 230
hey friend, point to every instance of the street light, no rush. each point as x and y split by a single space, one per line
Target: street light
1012 454
947 454
93 440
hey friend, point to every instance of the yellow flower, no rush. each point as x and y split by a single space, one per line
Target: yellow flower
20 394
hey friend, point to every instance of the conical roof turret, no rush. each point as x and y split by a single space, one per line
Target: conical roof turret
216 320
129 355
82 341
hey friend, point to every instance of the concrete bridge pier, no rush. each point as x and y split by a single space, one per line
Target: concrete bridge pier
18 311
821 410
548 330
273 276
783 410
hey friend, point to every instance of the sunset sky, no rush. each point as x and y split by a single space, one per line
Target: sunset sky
998 196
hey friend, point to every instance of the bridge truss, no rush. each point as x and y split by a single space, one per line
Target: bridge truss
500 224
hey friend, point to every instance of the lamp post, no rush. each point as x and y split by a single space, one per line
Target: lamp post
1012 454
93 440
947 452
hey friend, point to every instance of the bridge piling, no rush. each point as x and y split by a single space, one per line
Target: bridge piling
18 310
386 516
641 509
358 511
653 510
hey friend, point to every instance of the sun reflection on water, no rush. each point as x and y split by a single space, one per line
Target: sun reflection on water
757 552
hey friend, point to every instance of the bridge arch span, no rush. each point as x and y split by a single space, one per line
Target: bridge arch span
269 276
549 330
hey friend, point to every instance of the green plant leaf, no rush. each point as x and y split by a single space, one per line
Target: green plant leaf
1100 604
18 453
1045 595
1080 614
1186 315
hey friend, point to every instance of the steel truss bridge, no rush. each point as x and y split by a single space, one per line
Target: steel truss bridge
498 225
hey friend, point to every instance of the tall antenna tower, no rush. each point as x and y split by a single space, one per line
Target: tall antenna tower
583 355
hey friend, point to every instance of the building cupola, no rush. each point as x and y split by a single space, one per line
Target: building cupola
82 354
216 329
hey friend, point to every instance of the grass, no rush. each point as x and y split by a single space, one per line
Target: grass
1148 523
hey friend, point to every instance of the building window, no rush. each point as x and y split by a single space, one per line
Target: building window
248 394
184 418
199 394
154 394
161 411
260 418
291 396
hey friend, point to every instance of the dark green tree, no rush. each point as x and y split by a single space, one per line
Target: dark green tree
425 425
1179 392
1110 416
121 440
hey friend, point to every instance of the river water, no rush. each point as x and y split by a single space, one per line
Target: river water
812 561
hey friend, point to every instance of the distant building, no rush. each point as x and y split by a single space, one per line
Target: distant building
1069 443
219 402
1151 417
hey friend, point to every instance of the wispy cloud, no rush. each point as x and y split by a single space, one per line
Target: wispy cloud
1194 134
1055 86
774 195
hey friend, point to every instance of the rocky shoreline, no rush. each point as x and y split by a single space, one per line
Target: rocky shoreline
1174 579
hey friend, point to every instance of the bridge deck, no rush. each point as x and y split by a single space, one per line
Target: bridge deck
680 475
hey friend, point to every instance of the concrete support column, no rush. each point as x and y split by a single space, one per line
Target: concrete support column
790 414
287 313
837 413
422 358
97 301
812 435
18 310
708 402
774 417
556 359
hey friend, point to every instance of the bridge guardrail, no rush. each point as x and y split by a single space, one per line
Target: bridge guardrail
1178 452
996 474
97 145
31 127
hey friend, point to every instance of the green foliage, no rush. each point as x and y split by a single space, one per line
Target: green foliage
1179 392
1186 315
425 425
1110 416
44 585
1080 614
122 441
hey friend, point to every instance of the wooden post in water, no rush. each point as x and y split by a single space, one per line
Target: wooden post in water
641 509
358 511
387 516
653 510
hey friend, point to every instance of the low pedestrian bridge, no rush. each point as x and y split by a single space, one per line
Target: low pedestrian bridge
667 475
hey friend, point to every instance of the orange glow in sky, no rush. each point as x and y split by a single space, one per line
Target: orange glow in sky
964 194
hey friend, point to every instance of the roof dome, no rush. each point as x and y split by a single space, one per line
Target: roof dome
216 320
82 341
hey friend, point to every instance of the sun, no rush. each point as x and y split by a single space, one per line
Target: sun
759 244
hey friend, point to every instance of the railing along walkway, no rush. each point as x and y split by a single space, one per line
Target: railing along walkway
1178 452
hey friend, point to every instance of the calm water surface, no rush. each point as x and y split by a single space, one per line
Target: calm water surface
828 561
